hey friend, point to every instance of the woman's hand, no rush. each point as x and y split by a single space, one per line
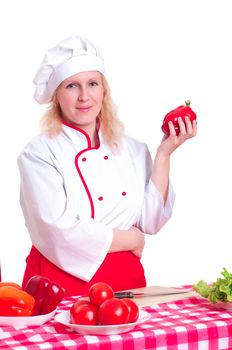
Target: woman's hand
170 143
128 240
139 241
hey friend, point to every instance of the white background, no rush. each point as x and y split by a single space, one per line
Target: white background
157 55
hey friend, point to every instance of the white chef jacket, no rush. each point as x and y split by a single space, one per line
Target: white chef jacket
73 196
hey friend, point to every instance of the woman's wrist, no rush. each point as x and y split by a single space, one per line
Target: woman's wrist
162 154
120 242
162 159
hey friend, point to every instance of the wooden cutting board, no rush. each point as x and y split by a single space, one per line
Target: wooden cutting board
159 294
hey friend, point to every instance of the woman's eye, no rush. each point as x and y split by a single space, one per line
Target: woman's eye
93 83
70 86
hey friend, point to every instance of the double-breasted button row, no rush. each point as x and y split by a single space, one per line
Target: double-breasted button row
84 159
101 198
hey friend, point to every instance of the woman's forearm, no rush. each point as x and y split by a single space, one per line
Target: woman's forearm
169 144
160 175
120 242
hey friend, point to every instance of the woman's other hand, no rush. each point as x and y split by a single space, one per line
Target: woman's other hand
128 240
139 241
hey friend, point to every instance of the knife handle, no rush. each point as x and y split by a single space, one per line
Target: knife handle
122 295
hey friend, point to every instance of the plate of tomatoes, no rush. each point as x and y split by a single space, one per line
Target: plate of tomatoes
64 318
101 313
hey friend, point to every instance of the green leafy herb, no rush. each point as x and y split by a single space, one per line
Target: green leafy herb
220 290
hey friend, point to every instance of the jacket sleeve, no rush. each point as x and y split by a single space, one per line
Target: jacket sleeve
76 246
154 212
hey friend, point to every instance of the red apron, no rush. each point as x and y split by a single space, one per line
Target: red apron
121 270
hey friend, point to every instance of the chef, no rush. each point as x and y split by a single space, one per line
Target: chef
89 193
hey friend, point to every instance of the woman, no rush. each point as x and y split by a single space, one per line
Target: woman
88 192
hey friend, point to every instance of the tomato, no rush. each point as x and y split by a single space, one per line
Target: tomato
84 314
99 292
79 302
133 310
113 311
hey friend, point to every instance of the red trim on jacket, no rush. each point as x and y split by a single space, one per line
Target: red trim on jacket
89 148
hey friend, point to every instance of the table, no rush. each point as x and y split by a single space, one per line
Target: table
177 322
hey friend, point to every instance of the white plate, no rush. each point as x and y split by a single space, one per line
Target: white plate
64 318
25 321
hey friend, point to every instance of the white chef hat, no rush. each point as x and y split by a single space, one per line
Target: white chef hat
73 55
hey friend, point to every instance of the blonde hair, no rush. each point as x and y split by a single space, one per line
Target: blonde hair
112 128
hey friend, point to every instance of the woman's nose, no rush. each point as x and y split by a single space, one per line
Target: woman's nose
83 94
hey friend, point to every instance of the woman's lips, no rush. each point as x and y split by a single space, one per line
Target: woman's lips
84 109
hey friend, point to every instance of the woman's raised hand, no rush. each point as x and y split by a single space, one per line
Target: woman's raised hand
170 143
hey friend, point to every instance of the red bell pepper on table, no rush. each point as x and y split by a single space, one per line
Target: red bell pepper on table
13 284
181 111
47 294
15 302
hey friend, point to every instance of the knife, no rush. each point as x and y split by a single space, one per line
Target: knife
130 294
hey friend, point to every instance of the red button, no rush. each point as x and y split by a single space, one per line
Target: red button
106 157
84 159
123 193
100 198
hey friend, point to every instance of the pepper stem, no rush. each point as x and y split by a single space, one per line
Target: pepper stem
187 102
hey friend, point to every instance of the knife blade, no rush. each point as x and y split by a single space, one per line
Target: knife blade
130 294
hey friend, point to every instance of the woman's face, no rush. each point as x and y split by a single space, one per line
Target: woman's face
80 98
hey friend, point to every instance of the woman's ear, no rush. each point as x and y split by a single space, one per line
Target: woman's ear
55 101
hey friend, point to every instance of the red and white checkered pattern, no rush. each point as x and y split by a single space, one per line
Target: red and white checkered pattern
188 324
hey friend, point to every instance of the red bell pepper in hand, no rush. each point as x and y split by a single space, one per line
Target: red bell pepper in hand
181 111
15 302
47 294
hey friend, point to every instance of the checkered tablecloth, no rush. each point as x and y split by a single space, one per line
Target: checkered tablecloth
190 323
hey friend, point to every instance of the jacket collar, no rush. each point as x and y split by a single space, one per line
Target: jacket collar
78 136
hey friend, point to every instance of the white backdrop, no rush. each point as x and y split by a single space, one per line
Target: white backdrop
157 53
